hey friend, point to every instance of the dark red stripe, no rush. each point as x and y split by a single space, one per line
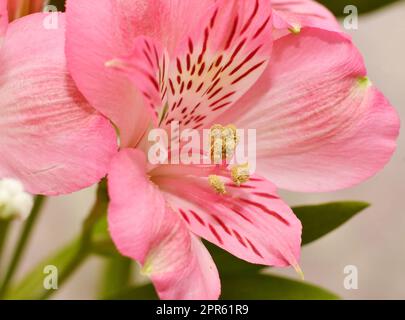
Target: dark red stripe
260 30
223 98
250 20
254 248
184 216
266 210
198 218
266 195
248 72
239 238
247 59
215 233
232 34
222 224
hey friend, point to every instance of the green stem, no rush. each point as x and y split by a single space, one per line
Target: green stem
116 276
85 248
20 248
4 228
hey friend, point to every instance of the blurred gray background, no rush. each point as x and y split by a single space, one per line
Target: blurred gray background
374 241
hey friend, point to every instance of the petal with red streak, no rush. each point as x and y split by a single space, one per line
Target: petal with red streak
99 31
321 125
249 221
144 228
213 66
219 61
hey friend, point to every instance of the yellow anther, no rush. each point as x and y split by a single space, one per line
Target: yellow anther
217 184
229 131
240 174
224 141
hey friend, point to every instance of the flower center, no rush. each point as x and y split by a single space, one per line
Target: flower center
224 141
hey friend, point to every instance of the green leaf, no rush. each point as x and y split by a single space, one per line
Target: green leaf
31 287
270 287
116 275
228 264
101 242
364 6
318 220
247 287
145 292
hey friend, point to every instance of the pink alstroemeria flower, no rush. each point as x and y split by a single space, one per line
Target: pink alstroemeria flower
51 139
321 125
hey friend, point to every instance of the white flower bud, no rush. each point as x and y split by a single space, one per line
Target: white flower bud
14 201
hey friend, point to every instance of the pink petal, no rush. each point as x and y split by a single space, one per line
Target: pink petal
213 66
145 229
51 139
292 16
109 32
147 66
320 123
191 274
249 221
222 57
93 40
